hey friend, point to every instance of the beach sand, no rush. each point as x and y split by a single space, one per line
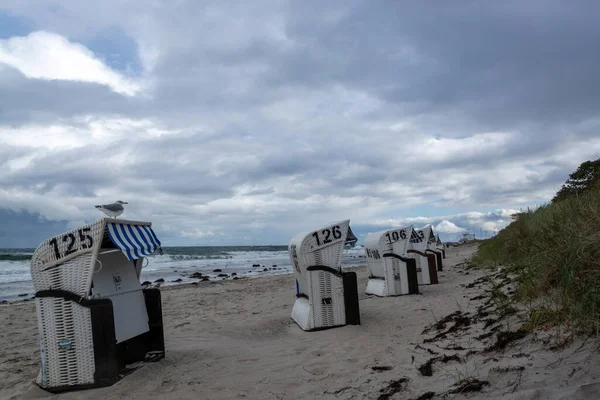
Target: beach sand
236 340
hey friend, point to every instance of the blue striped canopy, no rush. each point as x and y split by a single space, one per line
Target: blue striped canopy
135 241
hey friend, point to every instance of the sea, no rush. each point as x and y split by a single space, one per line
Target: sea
175 265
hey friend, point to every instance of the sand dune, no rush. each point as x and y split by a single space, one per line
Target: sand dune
236 340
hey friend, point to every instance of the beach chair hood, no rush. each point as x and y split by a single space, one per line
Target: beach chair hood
419 247
351 239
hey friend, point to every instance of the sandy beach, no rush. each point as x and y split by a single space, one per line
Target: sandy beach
236 340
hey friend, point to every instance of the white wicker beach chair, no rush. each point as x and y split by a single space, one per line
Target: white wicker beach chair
391 272
432 246
440 245
94 317
426 262
326 297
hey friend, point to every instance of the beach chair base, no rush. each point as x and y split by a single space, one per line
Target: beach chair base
438 258
400 277
426 267
333 300
112 361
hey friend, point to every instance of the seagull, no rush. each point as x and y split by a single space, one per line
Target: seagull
112 210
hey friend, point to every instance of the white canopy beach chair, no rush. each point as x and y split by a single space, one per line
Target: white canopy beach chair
391 271
94 317
432 246
326 297
426 262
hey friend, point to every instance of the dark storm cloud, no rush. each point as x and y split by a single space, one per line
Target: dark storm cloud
272 117
503 63
25 230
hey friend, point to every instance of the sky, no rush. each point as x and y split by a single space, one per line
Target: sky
241 123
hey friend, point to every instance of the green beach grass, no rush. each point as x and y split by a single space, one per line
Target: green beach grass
554 252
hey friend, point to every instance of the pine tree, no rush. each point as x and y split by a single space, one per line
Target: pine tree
580 181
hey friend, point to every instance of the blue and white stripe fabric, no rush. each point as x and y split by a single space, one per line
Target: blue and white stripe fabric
135 241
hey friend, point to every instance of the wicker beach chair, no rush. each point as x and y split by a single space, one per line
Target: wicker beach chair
426 262
94 318
440 245
432 247
391 271
326 296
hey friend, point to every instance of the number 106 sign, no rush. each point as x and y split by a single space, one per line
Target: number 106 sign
394 236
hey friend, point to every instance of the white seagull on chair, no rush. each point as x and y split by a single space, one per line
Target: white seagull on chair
113 210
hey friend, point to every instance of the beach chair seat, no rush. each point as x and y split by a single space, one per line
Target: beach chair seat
391 272
426 261
326 297
94 317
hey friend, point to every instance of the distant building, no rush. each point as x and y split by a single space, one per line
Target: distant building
467 237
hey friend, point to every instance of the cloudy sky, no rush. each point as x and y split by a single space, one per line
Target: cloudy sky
245 122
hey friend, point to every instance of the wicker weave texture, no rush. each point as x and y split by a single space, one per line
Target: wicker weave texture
325 304
392 270
327 299
53 265
322 247
388 241
64 326
66 343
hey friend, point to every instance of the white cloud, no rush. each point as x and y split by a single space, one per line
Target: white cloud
81 132
447 227
46 55
443 149
450 227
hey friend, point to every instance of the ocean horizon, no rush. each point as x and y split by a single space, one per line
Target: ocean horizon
175 265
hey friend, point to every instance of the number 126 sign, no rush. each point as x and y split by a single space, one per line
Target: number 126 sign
328 235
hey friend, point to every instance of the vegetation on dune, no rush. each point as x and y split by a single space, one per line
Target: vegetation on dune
584 179
554 251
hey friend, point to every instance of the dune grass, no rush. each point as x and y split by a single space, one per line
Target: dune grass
555 253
